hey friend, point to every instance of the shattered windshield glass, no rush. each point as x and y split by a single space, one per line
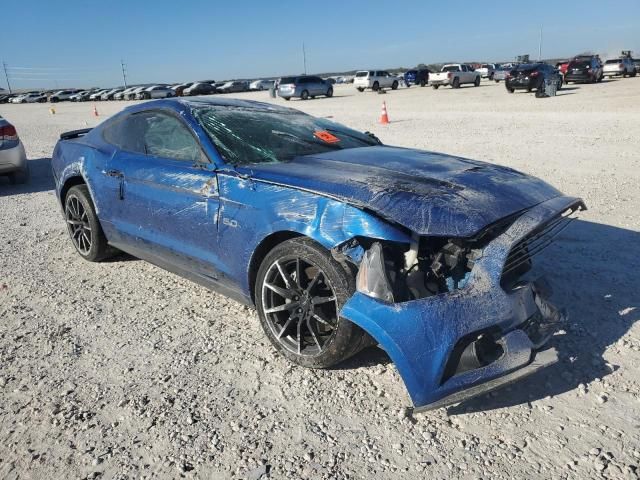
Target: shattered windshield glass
244 135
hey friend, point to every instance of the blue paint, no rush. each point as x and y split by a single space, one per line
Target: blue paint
206 219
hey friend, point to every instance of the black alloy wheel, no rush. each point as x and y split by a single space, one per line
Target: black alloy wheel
78 224
300 289
300 305
84 227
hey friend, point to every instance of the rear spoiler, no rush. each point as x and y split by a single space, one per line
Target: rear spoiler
74 134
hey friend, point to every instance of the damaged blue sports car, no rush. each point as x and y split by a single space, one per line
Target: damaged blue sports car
339 241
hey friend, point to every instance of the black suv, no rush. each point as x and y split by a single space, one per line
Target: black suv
532 76
418 76
585 69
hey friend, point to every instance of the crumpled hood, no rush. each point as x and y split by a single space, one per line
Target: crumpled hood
426 192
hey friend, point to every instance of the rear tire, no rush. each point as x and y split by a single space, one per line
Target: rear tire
84 227
435 87
456 83
360 89
423 83
394 85
293 331
375 87
477 82
511 90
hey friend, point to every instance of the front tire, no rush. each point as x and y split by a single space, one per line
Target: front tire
300 289
360 89
330 92
304 95
435 87
477 82
84 227
394 85
375 87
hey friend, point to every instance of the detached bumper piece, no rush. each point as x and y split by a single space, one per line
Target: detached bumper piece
454 346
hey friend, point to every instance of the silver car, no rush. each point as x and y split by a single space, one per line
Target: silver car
304 87
156 91
13 159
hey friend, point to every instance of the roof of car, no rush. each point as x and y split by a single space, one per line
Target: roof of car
212 102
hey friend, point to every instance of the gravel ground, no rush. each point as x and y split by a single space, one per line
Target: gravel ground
122 370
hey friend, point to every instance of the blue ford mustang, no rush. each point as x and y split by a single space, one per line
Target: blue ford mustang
339 241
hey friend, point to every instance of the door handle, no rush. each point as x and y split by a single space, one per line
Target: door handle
114 173
119 175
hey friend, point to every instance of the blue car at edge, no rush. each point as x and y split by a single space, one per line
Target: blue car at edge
339 241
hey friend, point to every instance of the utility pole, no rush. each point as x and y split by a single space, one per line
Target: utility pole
304 58
540 46
124 75
6 75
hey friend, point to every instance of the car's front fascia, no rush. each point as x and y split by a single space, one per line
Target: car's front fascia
435 342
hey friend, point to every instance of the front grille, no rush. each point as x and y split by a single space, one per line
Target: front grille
519 258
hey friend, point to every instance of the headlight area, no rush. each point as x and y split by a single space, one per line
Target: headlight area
398 272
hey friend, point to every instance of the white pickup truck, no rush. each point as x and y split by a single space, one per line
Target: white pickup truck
454 74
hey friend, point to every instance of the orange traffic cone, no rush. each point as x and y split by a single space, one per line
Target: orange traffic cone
384 118
95 111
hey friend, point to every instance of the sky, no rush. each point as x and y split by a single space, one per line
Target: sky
73 43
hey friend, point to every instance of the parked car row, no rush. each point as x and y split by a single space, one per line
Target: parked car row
529 76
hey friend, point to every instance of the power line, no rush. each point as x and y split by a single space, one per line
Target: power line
93 69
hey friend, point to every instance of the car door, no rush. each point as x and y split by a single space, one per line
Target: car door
164 194
315 86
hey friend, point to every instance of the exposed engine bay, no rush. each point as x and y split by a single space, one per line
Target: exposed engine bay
396 272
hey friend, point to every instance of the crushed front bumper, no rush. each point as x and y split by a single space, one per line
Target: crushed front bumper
426 338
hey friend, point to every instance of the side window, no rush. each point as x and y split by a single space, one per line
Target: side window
166 136
125 133
153 133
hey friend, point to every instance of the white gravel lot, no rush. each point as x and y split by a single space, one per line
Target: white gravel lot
122 370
